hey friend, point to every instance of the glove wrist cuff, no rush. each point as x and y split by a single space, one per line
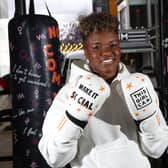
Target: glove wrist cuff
138 122
76 121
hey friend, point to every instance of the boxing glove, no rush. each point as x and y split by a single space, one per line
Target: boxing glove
142 102
87 96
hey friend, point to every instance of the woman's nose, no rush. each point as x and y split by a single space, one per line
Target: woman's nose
106 50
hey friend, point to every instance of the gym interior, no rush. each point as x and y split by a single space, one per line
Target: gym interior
143 35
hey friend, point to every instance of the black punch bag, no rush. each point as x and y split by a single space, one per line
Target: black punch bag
35 63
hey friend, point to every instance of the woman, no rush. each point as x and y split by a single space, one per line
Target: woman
90 127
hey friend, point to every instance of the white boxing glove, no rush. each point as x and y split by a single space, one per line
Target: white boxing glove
142 102
87 97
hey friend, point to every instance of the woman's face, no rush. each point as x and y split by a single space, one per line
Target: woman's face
103 52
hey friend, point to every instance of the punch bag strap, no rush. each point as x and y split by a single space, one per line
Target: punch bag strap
32 9
47 8
20 7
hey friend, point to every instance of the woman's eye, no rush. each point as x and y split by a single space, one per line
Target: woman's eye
96 47
113 45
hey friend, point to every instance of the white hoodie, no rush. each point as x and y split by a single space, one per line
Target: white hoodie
110 139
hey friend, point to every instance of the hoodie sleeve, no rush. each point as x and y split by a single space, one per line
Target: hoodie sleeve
58 144
154 135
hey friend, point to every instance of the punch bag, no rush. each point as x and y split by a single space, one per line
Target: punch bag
35 63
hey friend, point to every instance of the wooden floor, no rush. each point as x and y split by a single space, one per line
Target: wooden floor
5 147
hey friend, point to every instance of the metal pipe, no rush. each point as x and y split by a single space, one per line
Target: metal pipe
149 13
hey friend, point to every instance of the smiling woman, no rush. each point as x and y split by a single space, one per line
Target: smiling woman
102 132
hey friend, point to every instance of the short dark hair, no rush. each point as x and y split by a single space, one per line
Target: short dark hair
97 22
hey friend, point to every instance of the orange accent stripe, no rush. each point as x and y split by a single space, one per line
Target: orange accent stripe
158 119
61 123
